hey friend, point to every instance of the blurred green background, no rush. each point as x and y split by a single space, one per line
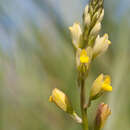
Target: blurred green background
36 55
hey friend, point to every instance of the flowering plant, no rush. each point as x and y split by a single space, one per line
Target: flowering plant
88 45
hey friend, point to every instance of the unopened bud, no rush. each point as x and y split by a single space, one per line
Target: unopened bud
96 29
101 45
87 17
76 34
101 16
96 15
86 9
103 112
61 100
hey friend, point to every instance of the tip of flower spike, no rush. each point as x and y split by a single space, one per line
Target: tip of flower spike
84 57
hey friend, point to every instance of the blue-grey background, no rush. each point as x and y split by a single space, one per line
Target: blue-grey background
36 55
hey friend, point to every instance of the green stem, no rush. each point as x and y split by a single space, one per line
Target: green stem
82 103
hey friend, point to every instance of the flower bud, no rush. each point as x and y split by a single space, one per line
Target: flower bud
87 17
96 29
86 9
76 33
101 16
61 100
101 45
97 15
103 112
100 85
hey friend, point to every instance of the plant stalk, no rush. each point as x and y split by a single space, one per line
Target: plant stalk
82 104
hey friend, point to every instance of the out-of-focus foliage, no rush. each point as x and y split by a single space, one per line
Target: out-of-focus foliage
36 55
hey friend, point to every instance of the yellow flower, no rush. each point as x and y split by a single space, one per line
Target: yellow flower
76 34
106 84
103 112
83 60
61 100
84 57
100 85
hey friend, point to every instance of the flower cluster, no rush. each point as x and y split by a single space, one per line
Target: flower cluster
88 45
87 41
